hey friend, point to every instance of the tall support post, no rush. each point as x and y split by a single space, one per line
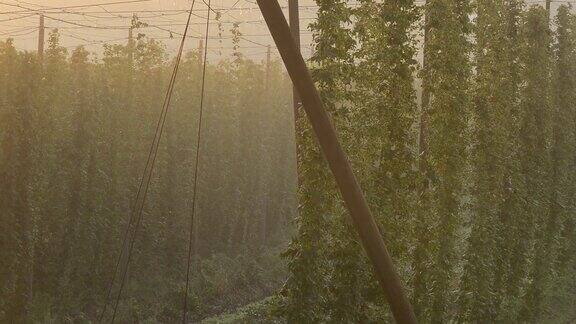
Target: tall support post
338 161
294 17
134 24
41 30
548 5
131 44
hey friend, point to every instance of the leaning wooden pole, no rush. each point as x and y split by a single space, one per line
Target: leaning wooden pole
41 31
338 161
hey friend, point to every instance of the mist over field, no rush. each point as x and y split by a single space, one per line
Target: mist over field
148 177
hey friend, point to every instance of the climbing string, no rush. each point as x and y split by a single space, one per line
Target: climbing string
197 162
137 210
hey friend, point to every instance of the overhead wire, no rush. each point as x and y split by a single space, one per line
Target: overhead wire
18 30
80 24
18 18
29 3
150 19
98 42
66 7
160 27
229 9
223 10
58 10
24 32
96 26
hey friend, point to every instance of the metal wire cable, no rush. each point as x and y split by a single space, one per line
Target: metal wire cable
26 9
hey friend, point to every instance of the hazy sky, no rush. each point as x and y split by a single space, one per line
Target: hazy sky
91 26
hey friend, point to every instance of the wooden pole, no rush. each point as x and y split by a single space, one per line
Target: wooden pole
41 29
338 162
131 45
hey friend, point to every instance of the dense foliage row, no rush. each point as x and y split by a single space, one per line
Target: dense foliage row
474 192
74 136
474 189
